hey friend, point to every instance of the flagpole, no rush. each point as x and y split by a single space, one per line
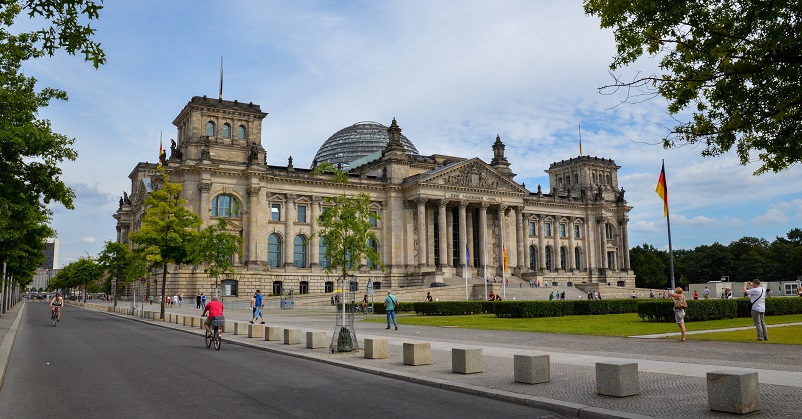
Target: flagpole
668 223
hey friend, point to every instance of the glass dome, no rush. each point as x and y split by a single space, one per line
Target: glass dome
357 141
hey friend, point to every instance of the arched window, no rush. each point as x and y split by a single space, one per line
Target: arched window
533 257
274 250
560 181
324 247
548 258
576 178
225 205
373 245
210 129
578 258
299 251
226 130
563 259
609 180
241 132
608 231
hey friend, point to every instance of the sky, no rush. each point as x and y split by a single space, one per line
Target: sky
453 73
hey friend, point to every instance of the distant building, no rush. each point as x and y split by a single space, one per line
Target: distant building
432 209
51 254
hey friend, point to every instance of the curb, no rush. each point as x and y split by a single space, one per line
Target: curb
8 344
553 405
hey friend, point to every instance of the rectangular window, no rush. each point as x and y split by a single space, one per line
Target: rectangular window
532 228
374 222
562 230
547 227
275 212
301 213
576 231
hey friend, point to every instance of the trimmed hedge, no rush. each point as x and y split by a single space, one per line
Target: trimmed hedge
701 310
449 308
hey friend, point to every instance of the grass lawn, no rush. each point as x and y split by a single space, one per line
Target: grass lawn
788 335
604 325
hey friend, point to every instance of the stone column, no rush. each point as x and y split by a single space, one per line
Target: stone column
555 254
289 214
571 265
203 207
119 234
602 243
625 242
450 238
463 233
421 211
503 236
541 243
590 240
253 211
519 238
443 233
483 236
315 241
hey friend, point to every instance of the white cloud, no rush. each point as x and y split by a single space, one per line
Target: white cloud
88 240
699 221
772 216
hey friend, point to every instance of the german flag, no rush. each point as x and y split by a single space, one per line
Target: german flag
662 189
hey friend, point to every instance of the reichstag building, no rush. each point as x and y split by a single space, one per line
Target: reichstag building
572 232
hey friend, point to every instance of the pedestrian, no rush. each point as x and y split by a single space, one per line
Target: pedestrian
551 296
696 295
180 300
390 304
706 293
256 304
679 310
203 301
757 303
332 300
428 296
634 295
562 297
197 302
175 300
150 299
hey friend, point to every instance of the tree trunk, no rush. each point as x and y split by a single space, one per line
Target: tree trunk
164 289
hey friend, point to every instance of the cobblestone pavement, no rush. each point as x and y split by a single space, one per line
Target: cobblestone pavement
672 375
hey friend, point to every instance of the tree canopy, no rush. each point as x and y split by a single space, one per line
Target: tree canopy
735 65
345 224
30 151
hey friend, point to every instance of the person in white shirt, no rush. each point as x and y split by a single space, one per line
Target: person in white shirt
757 296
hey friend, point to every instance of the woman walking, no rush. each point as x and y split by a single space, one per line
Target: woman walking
679 309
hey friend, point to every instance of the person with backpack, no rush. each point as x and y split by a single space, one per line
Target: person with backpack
390 304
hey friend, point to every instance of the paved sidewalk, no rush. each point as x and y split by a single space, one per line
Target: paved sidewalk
671 374
8 329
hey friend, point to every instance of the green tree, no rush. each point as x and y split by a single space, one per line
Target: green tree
118 261
786 255
80 273
167 231
751 258
216 247
346 226
650 271
29 150
734 64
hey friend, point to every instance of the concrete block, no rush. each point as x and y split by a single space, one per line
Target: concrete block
532 369
617 378
417 353
292 336
241 328
467 361
377 348
179 319
256 331
315 340
187 320
733 391
273 333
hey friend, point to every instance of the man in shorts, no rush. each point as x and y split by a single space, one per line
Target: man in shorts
215 309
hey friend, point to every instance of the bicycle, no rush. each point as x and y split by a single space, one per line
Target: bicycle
213 336
55 315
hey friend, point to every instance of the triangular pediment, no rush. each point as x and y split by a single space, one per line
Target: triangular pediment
474 174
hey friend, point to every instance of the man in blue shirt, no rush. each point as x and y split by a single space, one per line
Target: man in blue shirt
256 305
390 303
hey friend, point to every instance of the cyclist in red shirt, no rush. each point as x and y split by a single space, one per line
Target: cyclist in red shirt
215 308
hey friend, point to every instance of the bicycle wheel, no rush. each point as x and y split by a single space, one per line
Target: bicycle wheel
208 339
217 338
55 319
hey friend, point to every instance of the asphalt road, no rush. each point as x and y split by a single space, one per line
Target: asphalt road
93 365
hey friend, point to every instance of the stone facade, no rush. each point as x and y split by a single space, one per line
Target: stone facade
431 209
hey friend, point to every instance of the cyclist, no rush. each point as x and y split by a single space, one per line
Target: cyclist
215 308
55 306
